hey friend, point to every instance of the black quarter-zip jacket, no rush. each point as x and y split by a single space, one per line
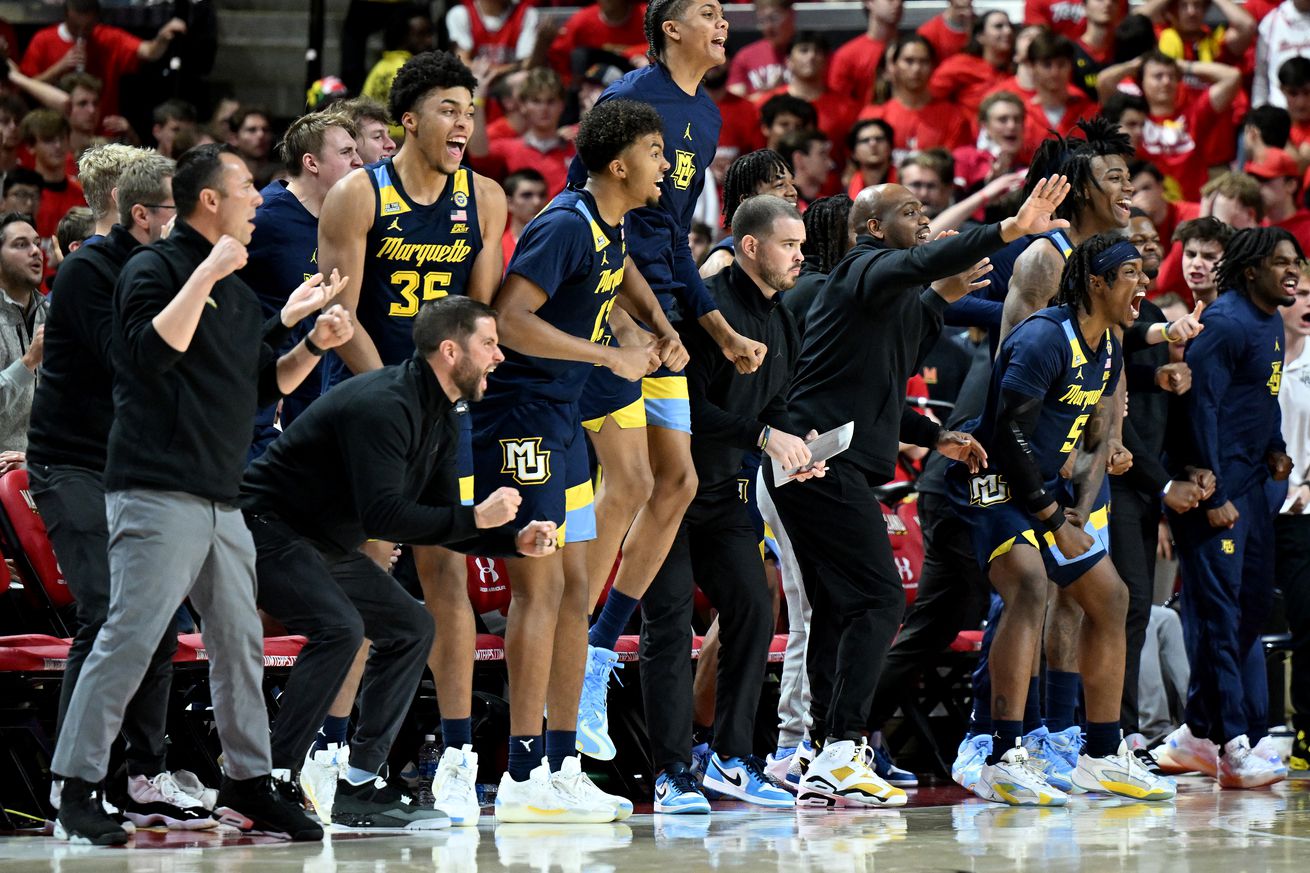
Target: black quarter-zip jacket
729 410
867 332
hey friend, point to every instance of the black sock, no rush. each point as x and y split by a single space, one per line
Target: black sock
525 754
1102 738
1032 707
1005 735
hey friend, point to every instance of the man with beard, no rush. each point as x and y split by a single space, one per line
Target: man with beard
23 311
716 547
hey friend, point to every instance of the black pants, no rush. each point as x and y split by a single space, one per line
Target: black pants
953 596
839 534
718 550
336 605
1134 535
1292 572
71 501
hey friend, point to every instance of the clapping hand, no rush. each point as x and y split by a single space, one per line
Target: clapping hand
1037 214
311 296
333 328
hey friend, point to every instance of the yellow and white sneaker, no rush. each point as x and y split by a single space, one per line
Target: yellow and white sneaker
1123 775
842 775
1014 781
537 799
571 781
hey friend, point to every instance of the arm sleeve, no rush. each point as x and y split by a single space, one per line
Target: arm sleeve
144 289
707 367
894 269
90 316
695 301
1016 421
918 429
16 386
971 311
1212 357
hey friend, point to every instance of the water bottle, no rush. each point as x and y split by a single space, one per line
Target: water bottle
428 756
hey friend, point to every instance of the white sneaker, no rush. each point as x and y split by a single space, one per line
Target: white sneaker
1183 752
842 775
537 799
159 801
1239 767
1121 774
191 784
1268 750
780 764
454 787
1014 781
570 781
319 775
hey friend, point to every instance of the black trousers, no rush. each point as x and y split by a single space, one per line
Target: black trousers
336 605
71 501
953 596
1292 572
717 549
1134 535
839 534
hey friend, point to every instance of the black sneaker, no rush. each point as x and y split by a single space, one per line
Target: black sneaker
82 819
159 801
255 805
376 805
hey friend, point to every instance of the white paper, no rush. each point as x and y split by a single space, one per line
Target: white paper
824 446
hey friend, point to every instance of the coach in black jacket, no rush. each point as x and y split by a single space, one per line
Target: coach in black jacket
716 546
865 335
373 458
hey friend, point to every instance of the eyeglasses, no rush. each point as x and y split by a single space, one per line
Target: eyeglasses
159 206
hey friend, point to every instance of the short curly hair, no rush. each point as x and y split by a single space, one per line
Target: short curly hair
612 126
425 72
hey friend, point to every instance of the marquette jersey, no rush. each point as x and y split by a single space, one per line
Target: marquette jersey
658 236
414 253
1045 357
572 255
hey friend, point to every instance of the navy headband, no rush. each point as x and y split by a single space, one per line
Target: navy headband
1111 258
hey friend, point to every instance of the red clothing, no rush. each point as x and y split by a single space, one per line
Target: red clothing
836 112
586 29
1037 125
507 243
1299 226
1176 214
965 80
1065 17
851 71
500 45
758 67
1170 280
1180 146
936 125
741 124
55 205
111 53
515 154
857 183
1300 135
501 129
945 41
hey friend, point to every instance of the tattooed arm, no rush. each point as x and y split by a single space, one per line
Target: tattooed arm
1033 286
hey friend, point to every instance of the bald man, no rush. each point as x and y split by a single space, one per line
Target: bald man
865 335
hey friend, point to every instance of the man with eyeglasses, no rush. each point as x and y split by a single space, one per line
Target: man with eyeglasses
870 145
929 175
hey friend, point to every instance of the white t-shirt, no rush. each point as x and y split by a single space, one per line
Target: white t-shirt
461 29
1294 402
1284 33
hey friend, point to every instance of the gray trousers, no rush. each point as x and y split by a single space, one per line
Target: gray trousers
794 693
1162 681
163 547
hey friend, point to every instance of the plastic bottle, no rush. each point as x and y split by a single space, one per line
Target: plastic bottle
428 757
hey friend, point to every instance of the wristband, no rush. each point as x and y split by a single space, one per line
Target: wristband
313 349
764 436
1164 492
1168 325
1054 521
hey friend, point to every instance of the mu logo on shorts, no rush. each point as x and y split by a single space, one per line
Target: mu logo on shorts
988 490
525 460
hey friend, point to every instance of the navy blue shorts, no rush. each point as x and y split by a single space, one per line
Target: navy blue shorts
538 448
998 524
464 457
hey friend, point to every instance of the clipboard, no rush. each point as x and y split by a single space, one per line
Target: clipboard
824 446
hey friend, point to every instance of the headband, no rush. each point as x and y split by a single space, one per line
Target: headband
1111 258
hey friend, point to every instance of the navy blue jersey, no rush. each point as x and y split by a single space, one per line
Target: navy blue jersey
1046 356
571 254
414 253
1233 413
657 237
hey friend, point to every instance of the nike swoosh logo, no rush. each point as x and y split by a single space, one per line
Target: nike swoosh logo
733 779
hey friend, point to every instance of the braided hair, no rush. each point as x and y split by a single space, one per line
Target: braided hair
1249 248
746 174
1076 280
1072 157
658 12
827 235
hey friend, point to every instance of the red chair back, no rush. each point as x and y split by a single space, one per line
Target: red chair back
27 542
488 585
907 544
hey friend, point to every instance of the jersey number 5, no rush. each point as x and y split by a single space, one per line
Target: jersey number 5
1075 433
600 328
434 286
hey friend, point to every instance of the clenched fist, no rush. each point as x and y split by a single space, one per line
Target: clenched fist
500 508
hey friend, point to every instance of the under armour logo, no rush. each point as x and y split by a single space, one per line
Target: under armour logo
527 745
486 571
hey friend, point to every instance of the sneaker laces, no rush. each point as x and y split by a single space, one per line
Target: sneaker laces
451 780
591 691
755 767
172 792
682 781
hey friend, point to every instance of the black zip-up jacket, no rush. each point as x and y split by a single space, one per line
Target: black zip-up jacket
729 410
74 403
866 334
374 457
800 297
182 419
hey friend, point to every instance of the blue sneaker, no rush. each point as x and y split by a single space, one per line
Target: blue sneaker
1068 745
784 765
969 760
593 707
745 779
676 793
700 761
886 768
1047 757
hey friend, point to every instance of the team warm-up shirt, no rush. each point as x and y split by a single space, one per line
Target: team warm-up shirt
1232 409
1046 356
414 253
570 253
657 237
